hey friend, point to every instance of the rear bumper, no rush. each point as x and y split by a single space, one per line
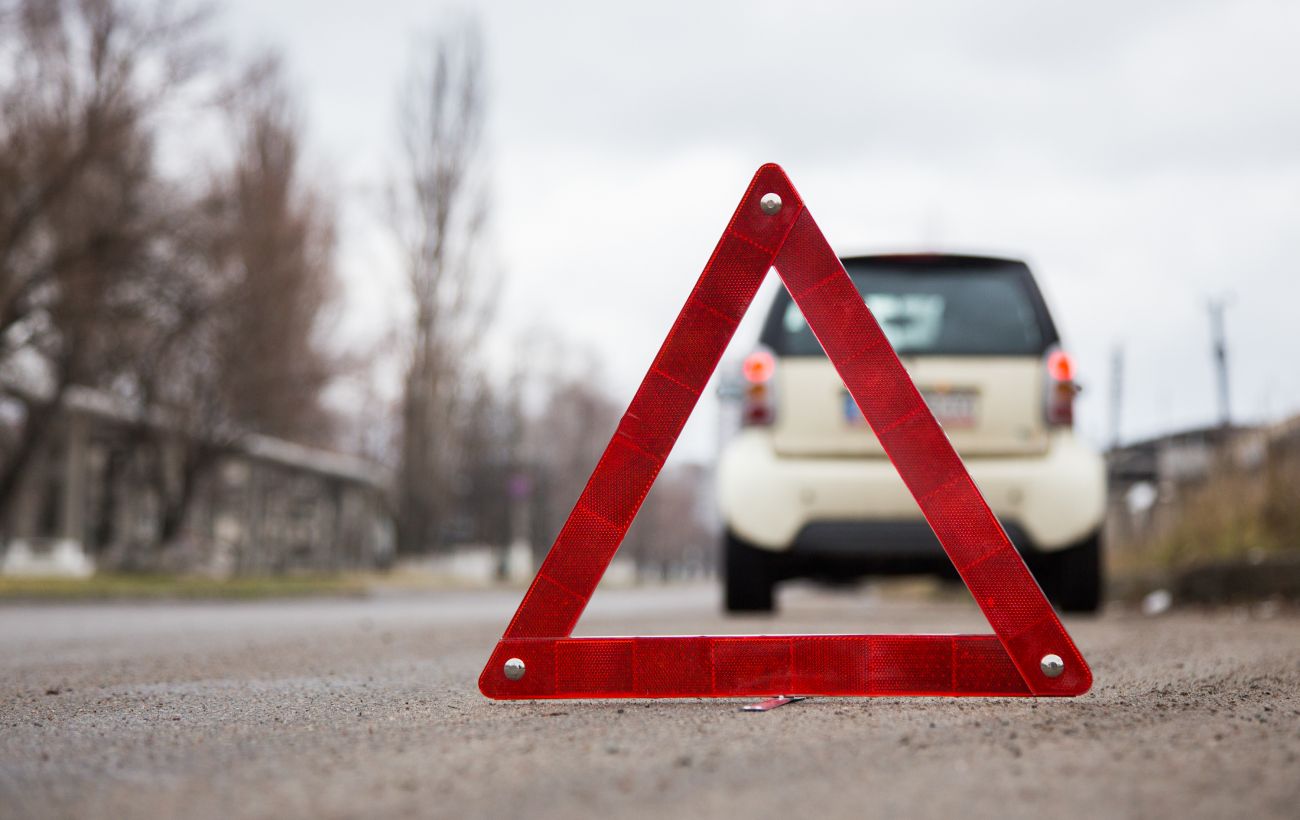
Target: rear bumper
891 539
860 505
838 550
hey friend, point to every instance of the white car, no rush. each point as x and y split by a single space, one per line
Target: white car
806 490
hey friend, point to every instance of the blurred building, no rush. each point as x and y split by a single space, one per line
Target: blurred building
262 506
1154 482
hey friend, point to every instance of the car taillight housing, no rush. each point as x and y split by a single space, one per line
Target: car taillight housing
1061 388
758 398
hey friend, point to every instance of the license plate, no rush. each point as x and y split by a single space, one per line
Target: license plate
955 409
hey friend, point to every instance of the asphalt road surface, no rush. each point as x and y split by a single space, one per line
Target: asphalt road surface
352 708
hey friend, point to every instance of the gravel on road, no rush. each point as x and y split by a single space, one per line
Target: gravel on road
350 708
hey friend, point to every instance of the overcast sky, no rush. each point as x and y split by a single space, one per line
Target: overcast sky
1142 157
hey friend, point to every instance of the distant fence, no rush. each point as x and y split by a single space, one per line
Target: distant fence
1205 496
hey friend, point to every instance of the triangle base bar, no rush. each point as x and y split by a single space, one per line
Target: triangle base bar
716 666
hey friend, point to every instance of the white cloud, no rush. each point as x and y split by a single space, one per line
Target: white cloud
1142 156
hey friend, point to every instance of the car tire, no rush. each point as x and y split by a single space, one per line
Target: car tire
1072 578
749 578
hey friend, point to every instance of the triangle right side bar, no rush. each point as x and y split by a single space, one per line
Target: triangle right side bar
974 540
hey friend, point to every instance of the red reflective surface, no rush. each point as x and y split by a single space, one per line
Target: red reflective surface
1025 626
712 666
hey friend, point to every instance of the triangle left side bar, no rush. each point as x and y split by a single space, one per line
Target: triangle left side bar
645 435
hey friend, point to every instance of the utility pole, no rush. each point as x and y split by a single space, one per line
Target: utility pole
1218 335
1116 392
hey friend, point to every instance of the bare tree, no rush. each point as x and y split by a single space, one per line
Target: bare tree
490 436
276 360
439 208
81 87
564 442
233 342
570 425
670 536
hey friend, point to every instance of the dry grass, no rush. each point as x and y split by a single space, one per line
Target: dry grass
162 587
1238 514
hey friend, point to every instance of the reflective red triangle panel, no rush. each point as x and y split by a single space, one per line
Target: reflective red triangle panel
537 658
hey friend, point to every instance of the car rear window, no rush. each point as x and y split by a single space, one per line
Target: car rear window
939 309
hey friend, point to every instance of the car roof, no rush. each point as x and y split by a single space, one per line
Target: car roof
931 258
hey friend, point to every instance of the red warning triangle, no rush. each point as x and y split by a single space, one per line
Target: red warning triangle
1029 652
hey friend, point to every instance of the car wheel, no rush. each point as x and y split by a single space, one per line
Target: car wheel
748 576
1072 578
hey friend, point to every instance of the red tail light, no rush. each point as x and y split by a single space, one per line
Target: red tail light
1061 388
758 405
